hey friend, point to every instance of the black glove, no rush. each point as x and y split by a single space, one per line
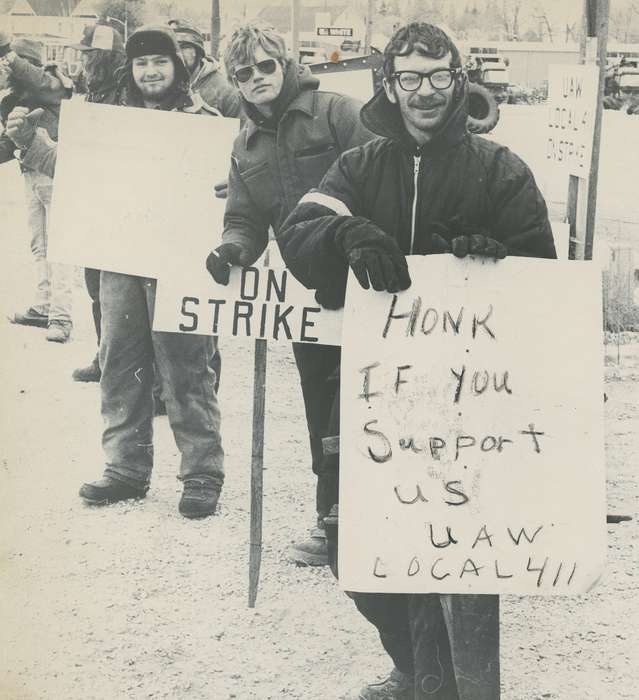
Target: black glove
331 297
219 261
375 258
222 189
462 240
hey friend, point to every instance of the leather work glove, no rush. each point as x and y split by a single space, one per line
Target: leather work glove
221 189
375 258
219 261
462 240
331 297
22 124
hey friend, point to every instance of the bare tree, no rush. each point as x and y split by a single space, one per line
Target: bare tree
541 17
509 16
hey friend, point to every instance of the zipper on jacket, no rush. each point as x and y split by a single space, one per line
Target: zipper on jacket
416 161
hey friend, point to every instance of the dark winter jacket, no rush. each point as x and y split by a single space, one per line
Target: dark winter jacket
457 177
215 89
276 161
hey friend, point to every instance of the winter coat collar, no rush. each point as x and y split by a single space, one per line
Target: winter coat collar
297 95
383 117
208 65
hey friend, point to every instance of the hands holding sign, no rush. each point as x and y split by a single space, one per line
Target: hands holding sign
220 260
461 240
375 257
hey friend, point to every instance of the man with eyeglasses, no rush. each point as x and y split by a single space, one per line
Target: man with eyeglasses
427 186
292 136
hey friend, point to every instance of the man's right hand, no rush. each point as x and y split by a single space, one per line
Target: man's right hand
219 261
22 124
375 258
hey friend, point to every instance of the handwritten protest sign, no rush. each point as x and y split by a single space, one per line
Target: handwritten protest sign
472 430
258 302
133 188
572 102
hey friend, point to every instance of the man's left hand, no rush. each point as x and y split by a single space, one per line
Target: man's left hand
21 125
477 242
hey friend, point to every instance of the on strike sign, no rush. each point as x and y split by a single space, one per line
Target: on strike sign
572 102
472 430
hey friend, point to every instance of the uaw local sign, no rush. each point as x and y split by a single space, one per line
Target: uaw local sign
258 302
572 103
471 438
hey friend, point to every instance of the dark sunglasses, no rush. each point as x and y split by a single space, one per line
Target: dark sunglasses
266 67
440 79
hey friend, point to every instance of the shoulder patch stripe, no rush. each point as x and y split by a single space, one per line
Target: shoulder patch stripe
327 201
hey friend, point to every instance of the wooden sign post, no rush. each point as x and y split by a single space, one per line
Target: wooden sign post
582 191
257 469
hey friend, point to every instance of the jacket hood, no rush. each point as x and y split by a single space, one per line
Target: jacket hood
297 79
384 118
208 66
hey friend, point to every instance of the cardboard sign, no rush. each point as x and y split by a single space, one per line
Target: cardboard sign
471 441
572 102
133 189
258 302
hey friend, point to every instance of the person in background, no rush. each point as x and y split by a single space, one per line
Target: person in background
102 56
206 75
35 87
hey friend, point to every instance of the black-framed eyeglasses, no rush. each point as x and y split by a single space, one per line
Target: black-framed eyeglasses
440 79
266 67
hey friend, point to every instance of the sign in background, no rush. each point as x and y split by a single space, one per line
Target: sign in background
472 430
572 102
133 189
335 31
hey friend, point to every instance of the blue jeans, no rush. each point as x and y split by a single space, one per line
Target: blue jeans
129 350
54 293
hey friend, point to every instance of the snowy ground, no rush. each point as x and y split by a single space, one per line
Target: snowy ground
133 601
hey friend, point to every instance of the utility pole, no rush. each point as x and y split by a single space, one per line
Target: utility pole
582 192
368 35
295 28
215 28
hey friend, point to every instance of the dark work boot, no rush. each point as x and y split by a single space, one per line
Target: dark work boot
108 490
398 686
30 317
199 498
90 373
312 551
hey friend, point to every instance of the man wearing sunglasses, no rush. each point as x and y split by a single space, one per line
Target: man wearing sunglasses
427 186
292 136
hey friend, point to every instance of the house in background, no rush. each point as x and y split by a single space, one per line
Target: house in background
56 23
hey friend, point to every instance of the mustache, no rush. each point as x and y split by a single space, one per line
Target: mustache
421 102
